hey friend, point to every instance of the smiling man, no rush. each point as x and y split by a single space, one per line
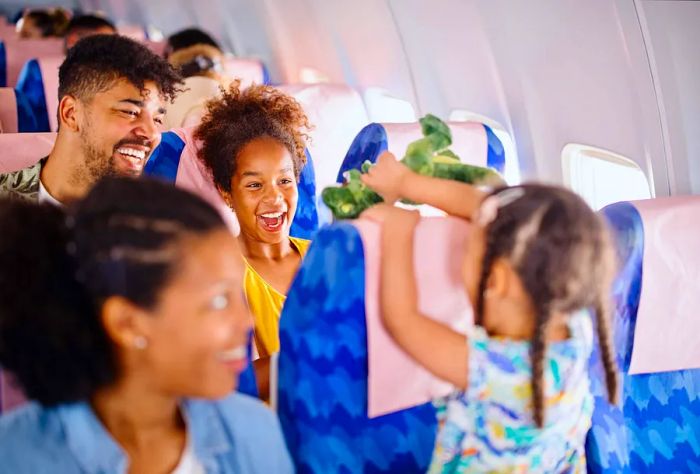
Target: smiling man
112 92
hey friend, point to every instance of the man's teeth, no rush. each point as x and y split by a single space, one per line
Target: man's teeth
272 215
140 154
233 354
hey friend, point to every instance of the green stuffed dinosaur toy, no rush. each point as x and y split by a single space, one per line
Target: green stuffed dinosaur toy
429 156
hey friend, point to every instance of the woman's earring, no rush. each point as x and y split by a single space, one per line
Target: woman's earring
140 342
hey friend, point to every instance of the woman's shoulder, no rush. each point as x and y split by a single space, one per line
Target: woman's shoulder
241 414
32 440
257 434
302 245
30 419
241 406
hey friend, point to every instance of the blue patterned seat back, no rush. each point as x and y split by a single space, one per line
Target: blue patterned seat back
661 410
372 141
607 446
165 160
323 372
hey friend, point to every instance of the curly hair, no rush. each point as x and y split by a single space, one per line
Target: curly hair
97 61
562 253
58 267
239 117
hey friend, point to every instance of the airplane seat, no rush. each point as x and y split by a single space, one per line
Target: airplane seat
175 160
248 70
327 106
38 82
655 326
18 52
350 400
474 142
23 149
607 444
347 401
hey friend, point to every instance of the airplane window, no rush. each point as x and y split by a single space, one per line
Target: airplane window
602 177
383 107
512 169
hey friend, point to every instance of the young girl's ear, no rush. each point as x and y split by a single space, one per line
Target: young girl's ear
498 282
505 283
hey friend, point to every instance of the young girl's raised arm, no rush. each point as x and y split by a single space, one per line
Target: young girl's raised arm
435 346
393 181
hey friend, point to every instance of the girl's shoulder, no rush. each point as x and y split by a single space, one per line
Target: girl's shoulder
302 245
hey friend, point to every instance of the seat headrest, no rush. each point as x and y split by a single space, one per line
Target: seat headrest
327 106
657 290
18 52
248 70
38 83
23 149
176 160
474 142
395 380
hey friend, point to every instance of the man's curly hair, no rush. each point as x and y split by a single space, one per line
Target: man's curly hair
238 117
96 62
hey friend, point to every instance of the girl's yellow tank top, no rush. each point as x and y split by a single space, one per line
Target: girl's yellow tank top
266 304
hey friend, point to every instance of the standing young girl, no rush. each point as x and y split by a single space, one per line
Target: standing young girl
537 258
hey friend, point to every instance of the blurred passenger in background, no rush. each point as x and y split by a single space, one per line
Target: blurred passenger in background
85 25
47 23
186 38
202 67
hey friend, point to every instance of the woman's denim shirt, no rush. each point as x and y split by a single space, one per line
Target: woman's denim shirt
237 434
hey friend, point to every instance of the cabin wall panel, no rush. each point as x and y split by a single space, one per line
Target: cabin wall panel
349 42
673 40
551 72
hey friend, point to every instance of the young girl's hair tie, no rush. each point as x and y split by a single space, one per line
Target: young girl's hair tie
491 205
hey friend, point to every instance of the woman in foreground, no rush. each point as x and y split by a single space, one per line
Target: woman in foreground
127 327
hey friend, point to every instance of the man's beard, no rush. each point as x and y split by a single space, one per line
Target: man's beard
96 165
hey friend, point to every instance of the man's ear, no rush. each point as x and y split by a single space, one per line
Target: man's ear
68 110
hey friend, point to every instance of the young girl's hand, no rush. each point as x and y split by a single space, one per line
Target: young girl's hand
386 177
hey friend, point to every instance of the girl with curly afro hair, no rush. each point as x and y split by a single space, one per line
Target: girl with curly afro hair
253 146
